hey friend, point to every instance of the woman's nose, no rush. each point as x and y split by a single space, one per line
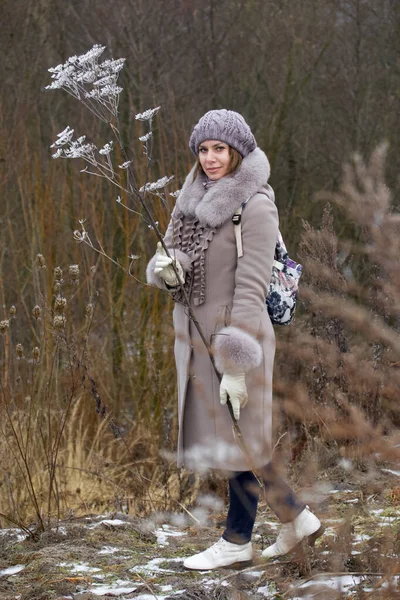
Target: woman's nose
210 157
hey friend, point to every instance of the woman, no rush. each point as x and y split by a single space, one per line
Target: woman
227 295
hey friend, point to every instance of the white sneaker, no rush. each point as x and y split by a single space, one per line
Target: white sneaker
221 554
306 524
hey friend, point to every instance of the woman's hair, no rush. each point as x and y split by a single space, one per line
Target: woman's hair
236 161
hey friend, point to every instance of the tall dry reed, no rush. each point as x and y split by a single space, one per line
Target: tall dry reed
337 380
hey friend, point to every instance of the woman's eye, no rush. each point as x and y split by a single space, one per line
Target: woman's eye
221 148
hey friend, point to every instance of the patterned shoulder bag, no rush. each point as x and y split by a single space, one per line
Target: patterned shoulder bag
283 286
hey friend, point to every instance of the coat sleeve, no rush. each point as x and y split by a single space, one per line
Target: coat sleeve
236 348
170 243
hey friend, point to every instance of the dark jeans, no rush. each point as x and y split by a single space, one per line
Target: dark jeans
244 491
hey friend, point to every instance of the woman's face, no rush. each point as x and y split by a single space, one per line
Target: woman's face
214 158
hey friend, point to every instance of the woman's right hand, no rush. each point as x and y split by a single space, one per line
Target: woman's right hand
163 267
234 386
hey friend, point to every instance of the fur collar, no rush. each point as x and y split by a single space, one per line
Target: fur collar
218 203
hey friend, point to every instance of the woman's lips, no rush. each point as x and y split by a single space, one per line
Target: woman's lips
213 169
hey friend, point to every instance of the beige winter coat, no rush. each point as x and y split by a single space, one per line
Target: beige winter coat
227 295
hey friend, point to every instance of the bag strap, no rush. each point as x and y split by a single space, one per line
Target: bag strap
237 223
280 248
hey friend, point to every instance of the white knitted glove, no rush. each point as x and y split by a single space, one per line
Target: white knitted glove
234 386
163 267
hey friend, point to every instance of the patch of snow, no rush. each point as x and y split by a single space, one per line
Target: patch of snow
265 591
391 471
330 531
5 531
340 491
117 590
254 574
165 532
149 597
79 568
152 566
12 570
209 582
362 537
108 550
19 535
384 521
109 522
61 530
353 501
341 584
166 588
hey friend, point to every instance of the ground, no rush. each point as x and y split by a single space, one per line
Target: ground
98 557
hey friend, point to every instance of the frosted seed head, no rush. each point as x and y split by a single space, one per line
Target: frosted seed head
58 273
156 185
36 311
73 272
57 287
106 149
147 115
4 325
126 164
60 304
36 353
41 263
145 138
59 321
13 311
89 311
19 350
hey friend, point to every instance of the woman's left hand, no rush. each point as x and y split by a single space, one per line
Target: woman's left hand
234 386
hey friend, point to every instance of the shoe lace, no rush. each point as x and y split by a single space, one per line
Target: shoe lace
216 547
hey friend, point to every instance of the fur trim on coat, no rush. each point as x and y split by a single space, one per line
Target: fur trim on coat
159 282
217 204
236 351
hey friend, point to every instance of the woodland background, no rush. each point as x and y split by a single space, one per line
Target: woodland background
316 80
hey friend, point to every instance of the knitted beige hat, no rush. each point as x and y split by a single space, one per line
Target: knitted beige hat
226 126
